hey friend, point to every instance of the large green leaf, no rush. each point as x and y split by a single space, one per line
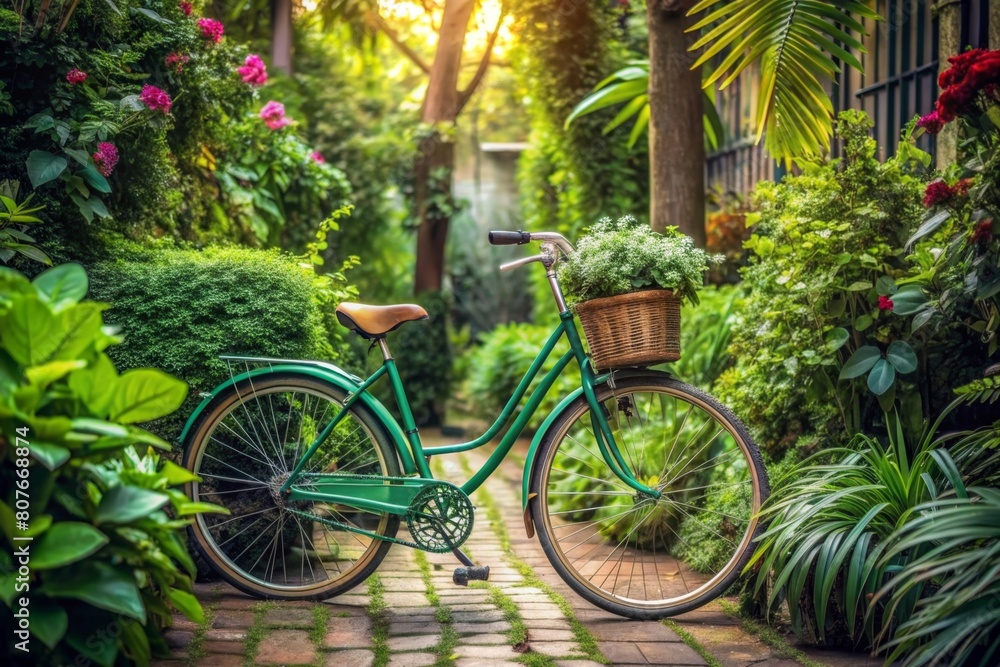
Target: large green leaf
860 362
144 394
901 356
62 285
882 377
48 621
99 584
187 604
64 543
43 167
794 42
124 504
908 300
95 385
50 456
30 331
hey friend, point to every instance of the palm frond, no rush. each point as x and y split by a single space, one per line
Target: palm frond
630 86
795 42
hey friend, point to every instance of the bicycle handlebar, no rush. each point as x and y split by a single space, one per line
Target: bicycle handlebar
520 238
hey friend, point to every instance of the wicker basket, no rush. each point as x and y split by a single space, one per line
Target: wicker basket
636 329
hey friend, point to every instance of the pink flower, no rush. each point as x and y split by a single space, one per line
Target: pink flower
885 303
932 123
253 71
155 99
105 158
185 8
75 76
317 157
273 114
211 29
983 233
177 61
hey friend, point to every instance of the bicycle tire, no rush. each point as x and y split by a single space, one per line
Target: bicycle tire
286 386
579 571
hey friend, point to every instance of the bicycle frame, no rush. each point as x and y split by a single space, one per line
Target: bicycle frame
376 495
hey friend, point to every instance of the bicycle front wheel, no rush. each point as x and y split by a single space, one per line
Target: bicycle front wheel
245 447
635 554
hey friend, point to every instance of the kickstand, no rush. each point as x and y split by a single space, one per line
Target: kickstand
471 571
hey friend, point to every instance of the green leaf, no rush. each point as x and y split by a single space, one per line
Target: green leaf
187 604
885 286
44 375
50 456
860 362
145 394
836 338
99 584
43 167
95 178
176 475
929 225
921 318
908 299
863 322
882 377
62 285
95 385
66 542
901 356
124 504
48 621
859 286
30 331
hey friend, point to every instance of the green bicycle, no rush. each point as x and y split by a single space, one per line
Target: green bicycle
622 482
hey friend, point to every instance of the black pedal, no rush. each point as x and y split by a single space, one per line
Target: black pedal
463 575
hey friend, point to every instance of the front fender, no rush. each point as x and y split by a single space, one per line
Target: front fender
529 463
322 371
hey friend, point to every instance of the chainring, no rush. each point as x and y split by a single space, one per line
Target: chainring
440 517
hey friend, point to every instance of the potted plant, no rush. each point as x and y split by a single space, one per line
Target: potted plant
627 283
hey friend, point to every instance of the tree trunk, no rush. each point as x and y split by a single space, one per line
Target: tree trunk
281 35
437 152
676 132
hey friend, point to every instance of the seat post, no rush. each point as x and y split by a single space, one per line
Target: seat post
384 347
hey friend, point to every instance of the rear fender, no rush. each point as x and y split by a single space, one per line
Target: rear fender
321 371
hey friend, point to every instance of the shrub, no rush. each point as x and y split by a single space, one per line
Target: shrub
105 552
828 252
181 309
423 353
501 360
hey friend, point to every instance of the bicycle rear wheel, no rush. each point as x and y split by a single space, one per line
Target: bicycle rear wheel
631 553
244 448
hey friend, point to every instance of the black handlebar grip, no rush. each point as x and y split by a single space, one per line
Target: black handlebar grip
509 238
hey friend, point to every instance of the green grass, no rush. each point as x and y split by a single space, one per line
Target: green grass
196 647
518 633
584 640
256 632
380 625
445 648
770 636
689 639
321 617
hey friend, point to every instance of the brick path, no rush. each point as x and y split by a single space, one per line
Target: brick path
446 624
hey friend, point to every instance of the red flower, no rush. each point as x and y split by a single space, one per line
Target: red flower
937 192
317 157
211 29
983 233
885 303
932 123
75 76
105 158
961 187
253 71
185 8
177 61
155 99
959 66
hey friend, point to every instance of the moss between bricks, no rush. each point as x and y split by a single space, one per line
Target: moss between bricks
689 639
445 648
584 640
196 647
380 625
256 632
770 636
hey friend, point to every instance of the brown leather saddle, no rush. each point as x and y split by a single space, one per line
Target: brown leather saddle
376 321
